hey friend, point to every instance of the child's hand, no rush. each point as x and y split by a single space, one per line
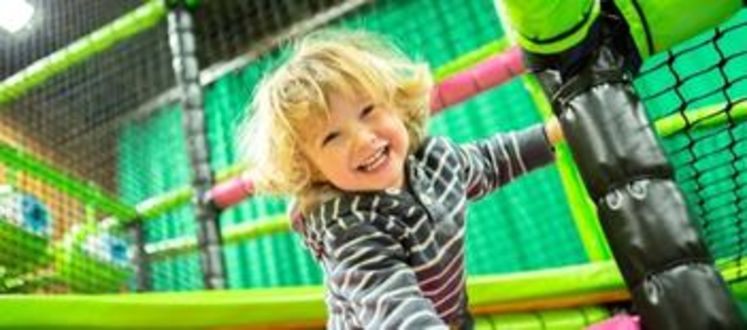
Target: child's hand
553 131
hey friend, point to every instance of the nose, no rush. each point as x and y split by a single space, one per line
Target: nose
365 139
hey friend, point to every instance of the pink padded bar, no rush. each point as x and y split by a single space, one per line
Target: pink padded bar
483 76
619 322
231 192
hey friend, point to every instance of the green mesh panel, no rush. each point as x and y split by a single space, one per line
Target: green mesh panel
710 162
453 27
525 226
155 148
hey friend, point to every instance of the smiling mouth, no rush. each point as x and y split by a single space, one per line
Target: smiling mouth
375 161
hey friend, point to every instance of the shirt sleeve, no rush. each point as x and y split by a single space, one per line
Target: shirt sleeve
377 289
487 164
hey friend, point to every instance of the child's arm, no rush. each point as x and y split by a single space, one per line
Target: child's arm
488 164
368 273
553 131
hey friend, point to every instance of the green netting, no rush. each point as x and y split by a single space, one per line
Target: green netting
709 159
453 27
154 161
512 217
91 123
277 260
526 224
65 92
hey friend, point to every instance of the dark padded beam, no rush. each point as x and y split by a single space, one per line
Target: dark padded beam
187 70
663 260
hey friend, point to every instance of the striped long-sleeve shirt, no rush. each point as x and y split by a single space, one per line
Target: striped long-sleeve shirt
395 258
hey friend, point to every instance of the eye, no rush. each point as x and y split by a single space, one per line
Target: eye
329 138
367 110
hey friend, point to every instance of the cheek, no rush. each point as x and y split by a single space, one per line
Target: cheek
318 166
401 135
332 163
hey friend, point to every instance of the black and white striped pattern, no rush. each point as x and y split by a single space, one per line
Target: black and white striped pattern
395 259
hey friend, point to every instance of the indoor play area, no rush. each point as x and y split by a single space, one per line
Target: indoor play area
124 202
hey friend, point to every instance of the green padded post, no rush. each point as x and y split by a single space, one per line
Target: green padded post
582 208
549 26
81 190
655 27
705 117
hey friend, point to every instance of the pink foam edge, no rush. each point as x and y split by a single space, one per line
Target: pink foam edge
618 322
231 192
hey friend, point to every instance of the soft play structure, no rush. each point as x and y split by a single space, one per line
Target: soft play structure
123 203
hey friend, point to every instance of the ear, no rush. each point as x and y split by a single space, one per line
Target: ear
315 174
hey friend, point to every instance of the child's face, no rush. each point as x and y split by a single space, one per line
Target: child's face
361 146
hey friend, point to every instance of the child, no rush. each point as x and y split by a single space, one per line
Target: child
340 126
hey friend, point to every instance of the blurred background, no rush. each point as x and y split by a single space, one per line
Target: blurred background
99 173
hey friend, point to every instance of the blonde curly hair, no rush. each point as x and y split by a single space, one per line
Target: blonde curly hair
325 62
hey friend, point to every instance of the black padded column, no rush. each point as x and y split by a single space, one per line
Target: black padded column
662 257
186 68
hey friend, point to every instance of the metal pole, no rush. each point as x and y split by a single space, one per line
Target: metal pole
139 257
186 68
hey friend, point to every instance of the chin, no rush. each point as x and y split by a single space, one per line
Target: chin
396 182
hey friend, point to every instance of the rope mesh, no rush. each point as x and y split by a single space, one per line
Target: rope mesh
702 86
105 136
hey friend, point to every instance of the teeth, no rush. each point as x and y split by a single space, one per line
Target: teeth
373 157
374 160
